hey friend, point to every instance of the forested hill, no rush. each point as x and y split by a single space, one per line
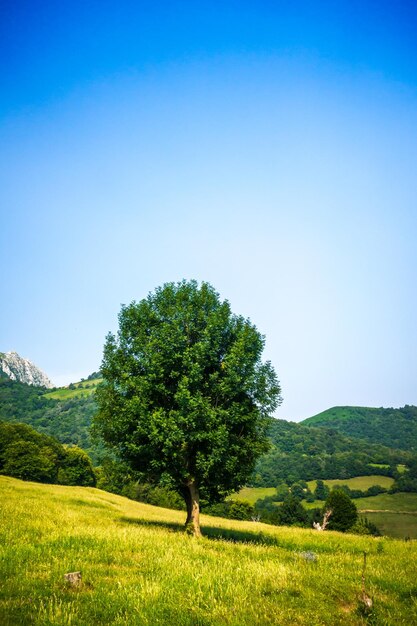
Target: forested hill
64 413
396 428
302 452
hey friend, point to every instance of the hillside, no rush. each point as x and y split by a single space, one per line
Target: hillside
396 428
301 452
64 413
138 567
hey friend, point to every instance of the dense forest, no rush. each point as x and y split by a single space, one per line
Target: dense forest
396 428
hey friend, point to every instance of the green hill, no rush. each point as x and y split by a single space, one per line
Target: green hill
139 567
64 413
395 428
301 452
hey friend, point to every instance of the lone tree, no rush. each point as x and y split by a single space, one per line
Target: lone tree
186 398
344 511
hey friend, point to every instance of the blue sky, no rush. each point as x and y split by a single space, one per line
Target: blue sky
269 148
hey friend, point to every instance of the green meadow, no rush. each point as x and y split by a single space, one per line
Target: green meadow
77 390
252 494
140 568
359 482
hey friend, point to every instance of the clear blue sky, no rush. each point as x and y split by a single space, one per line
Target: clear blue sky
269 148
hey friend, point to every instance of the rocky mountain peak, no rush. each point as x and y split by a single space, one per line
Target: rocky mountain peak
23 370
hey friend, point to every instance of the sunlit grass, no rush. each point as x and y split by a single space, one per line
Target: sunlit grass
81 389
139 567
252 494
358 482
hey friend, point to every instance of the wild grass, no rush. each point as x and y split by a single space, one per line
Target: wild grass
139 568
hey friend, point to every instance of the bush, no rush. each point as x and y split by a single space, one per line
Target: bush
157 495
363 526
241 510
76 468
30 461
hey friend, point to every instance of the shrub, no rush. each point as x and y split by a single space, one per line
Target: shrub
76 468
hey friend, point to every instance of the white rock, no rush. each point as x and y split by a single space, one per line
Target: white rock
23 370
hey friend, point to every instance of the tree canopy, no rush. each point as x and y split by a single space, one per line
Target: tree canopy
344 511
186 398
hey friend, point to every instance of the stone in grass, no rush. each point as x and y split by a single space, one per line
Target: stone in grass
309 556
73 579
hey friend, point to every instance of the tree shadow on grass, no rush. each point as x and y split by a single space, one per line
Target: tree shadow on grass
210 532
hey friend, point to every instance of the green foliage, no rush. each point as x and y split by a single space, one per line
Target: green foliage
395 428
344 512
298 491
185 396
300 452
68 420
406 480
157 495
76 468
363 526
282 491
29 455
115 476
292 512
321 491
29 461
241 510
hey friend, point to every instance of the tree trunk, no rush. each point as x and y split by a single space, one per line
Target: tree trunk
192 525
189 504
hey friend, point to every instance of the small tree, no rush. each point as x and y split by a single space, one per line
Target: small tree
185 397
292 512
321 491
344 511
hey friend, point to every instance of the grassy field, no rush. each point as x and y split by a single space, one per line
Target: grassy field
81 389
399 502
139 568
252 494
359 482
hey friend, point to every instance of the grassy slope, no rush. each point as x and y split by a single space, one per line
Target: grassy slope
140 568
80 390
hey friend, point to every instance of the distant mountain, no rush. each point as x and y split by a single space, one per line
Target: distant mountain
15 367
396 428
